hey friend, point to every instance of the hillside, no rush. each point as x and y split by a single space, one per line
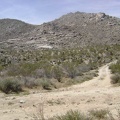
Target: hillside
11 30
77 43
71 30
63 63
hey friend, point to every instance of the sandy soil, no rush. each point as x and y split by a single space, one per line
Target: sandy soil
97 93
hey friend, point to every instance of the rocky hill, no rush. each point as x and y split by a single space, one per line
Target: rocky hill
70 30
11 30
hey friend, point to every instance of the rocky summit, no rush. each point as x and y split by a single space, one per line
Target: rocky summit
71 30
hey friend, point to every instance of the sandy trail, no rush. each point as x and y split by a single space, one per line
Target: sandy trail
96 93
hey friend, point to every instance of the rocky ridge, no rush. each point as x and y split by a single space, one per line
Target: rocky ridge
71 30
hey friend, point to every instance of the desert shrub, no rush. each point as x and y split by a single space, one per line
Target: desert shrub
28 68
83 68
46 84
39 73
1 67
115 79
29 82
10 85
24 69
72 115
57 73
99 114
93 65
84 77
76 115
70 69
47 70
14 70
115 68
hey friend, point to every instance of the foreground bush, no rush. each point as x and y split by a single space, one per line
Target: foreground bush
115 79
72 115
115 68
92 115
46 84
9 85
99 114
102 114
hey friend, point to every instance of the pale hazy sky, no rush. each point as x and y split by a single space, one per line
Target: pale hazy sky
39 11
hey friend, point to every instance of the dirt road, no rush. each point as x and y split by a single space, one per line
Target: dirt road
97 93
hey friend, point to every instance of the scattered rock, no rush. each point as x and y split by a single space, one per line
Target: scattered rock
13 98
34 105
110 103
5 112
20 106
22 101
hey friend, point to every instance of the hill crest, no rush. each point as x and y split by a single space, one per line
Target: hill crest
71 30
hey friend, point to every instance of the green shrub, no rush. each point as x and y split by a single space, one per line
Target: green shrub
70 69
99 114
24 69
48 71
57 73
10 85
72 115
29 82
115 68
14 70
1 67
28 68
39 73
46 84
115 79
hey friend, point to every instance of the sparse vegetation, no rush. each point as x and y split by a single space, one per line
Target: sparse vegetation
10 85
40 113
30 66
56 102
92 115
115 69
46 84
99 114
72 115
115 79
57 73
76 115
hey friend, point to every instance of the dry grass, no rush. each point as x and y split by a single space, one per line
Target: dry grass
40 113
101 114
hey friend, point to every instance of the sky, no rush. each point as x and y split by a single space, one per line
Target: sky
40 11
